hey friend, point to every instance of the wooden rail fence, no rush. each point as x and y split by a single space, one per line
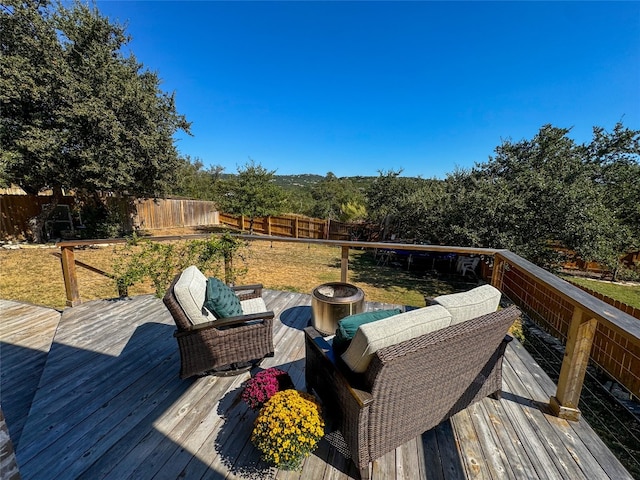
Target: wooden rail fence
590 327
297 226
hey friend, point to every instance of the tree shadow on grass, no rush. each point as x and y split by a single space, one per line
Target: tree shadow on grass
431 277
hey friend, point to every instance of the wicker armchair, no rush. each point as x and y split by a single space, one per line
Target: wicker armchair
410 387
226 346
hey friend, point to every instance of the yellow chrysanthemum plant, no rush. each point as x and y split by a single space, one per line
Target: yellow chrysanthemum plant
288 428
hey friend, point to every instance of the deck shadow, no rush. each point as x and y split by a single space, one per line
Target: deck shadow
130 391
527 402
22 368
296 317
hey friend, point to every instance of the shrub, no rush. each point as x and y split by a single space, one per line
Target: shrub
288 428
264 385
160 262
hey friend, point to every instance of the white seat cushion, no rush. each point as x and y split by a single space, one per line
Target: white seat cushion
371 337
253 305
190 290
464 306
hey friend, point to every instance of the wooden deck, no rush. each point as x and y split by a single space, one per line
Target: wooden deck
109 404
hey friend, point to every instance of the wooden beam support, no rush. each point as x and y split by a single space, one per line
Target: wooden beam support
496 278
69 275
344 264
574 366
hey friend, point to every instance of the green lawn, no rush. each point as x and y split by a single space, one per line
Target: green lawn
629 294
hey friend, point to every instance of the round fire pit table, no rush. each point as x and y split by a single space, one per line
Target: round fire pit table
331 302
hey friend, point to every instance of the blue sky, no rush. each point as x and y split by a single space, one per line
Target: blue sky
355 88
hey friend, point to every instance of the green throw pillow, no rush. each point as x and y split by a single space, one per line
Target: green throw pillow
348 326
221 300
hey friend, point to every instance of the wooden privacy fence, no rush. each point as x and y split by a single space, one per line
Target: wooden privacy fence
297 226
633 311
157 213
17 210
292 226
147 214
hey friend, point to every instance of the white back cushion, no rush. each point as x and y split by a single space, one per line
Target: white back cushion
371 337
253 305
464 306
190 290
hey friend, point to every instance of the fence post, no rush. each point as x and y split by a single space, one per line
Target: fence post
296 227
269 225
344 264
67 259
574 366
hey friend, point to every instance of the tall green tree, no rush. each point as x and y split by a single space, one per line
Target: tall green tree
615 157
252 193
530 194
193 181
335 198
400 205
77 113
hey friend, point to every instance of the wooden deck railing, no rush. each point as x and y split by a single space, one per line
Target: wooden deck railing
590 327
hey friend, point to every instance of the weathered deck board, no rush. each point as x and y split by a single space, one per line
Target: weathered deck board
26 335
110 404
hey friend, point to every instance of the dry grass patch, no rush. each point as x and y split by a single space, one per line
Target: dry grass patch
34 275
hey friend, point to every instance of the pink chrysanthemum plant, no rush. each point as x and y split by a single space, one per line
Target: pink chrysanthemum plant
260 388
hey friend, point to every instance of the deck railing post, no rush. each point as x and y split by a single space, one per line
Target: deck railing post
344 264
496 277
574 366
67 259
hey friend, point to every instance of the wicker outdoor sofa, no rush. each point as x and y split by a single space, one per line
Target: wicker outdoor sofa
222 346
409 387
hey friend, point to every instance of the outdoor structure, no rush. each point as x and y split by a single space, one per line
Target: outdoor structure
104 360
134 214
591 328
108 403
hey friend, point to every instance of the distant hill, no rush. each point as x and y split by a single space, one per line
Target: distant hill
306 180
295 181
